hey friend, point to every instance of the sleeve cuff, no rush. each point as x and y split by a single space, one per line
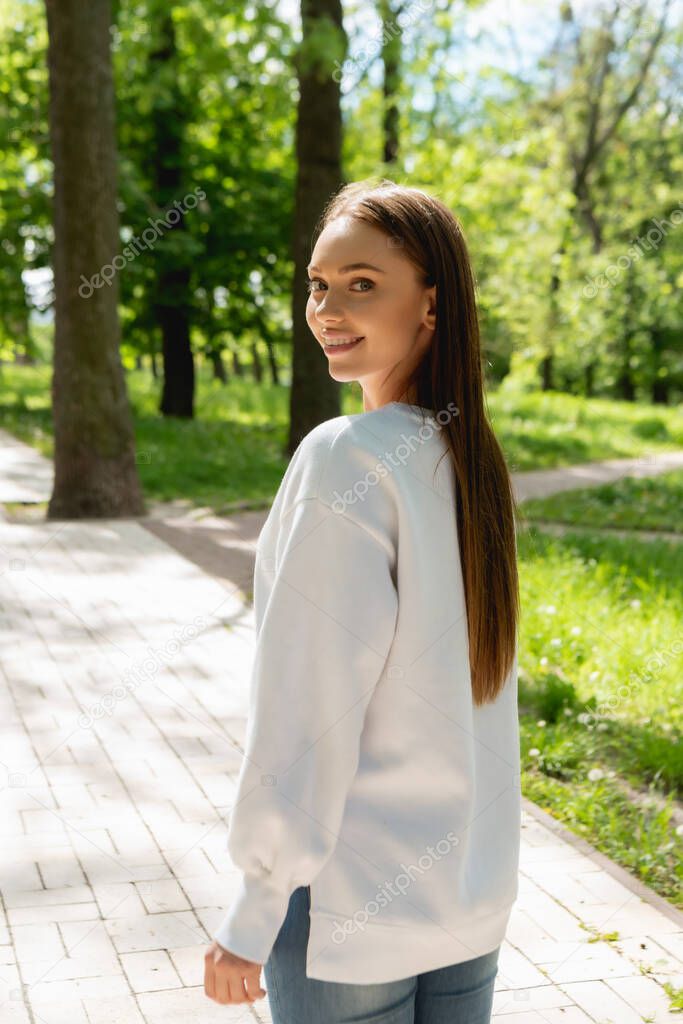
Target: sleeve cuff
252 924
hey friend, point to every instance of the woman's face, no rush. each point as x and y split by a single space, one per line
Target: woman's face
385 305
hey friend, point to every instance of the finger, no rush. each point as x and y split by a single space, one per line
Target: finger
222 986
234 986
252 978
209 977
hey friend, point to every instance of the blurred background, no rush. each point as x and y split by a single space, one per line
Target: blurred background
163 166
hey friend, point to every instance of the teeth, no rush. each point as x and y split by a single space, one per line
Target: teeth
340 341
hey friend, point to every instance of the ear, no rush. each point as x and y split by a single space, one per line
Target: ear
429 318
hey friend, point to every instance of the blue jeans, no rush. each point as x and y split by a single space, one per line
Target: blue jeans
457 994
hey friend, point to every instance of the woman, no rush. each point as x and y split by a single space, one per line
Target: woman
376 822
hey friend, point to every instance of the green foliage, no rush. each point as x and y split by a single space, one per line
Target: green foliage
498 146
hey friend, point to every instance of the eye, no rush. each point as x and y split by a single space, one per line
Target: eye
360 280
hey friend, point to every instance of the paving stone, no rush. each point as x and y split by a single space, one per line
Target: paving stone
672 942
67 1011
591 961
118 899
56 912
68 968
650 954
37 942
523 999
516 971
542 1017
192 863
150 971
646 997
61 869
80 988
113 1010
156 931
18 874
551 916
601 1002
14 1012
48 897
87 938
190 1004
214 890
162 895
189 963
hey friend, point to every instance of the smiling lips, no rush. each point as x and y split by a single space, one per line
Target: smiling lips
340 342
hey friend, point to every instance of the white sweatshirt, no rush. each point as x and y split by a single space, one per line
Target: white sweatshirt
369 774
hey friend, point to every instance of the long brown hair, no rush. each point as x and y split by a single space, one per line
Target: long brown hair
451 372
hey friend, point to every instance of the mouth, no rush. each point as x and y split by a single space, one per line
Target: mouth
341 344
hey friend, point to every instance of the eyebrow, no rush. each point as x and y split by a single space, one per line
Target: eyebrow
351 266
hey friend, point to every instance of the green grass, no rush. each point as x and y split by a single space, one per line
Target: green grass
601 693
545 429
233 451
650 503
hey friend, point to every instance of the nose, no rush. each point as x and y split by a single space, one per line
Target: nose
326 310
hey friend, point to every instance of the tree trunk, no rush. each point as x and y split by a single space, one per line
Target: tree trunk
218 365
256 363
625 385
391 59
660 385
95 470
314 395
547 373
272 362
172 286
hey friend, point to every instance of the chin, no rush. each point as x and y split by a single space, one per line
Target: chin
343 376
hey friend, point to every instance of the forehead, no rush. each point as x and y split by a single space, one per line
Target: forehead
346 240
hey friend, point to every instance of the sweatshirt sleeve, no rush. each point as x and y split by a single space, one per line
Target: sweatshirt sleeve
325 634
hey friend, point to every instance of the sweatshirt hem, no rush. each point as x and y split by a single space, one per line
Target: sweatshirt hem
379 953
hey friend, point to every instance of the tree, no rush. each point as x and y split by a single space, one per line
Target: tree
591 120
172 259
314 395
391 60
95 470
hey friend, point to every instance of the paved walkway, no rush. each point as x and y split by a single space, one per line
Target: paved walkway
123 692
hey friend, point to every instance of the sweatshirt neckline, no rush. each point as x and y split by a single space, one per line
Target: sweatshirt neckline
417 409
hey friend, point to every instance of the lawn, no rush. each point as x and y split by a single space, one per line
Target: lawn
601 694
650 503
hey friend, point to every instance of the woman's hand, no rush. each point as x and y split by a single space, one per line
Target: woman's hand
230 979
